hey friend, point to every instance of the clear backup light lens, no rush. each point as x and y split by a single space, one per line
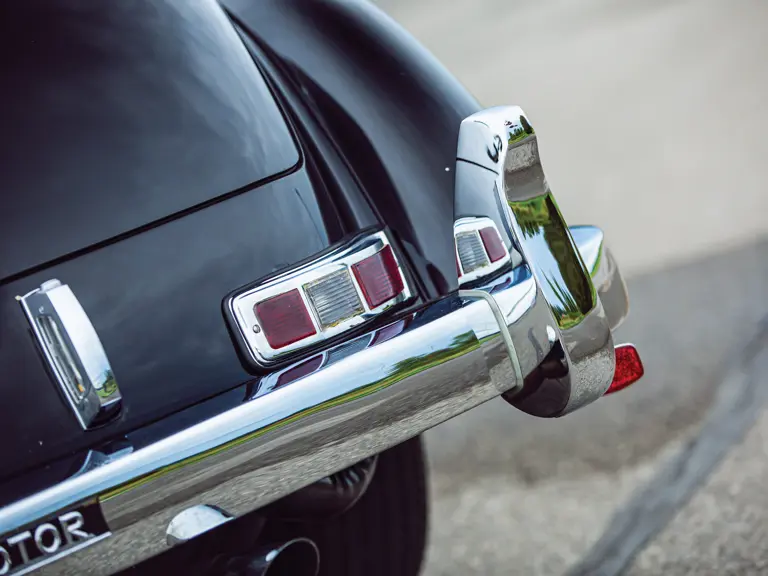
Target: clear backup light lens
493 246
471 251
379 277
284 319
334 298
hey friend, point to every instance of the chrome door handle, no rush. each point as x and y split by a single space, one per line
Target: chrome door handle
73 352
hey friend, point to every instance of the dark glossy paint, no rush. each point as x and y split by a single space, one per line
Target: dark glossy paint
392 109
345 195
53 471
154 295
155 301
119 114
371 110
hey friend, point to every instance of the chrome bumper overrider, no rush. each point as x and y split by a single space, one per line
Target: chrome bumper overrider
446 359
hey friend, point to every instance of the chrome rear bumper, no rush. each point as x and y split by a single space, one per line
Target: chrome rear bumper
396 383
532 327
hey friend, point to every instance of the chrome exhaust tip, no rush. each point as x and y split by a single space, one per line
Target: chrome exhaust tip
297 557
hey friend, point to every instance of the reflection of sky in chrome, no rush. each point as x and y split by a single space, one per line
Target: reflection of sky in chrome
588 240
81 333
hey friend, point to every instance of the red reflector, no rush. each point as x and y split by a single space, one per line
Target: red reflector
629 368
284 319
379 277
492 243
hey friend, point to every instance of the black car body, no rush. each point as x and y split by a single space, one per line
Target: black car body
160 157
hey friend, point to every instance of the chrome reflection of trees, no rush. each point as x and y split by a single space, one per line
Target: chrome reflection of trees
568 283
109 387
521 132
526 125
460 345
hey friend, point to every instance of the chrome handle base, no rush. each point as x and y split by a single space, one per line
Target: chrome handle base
73 352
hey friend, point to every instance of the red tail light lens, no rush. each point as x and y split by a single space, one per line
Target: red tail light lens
379 277
629 368
284 319
492 243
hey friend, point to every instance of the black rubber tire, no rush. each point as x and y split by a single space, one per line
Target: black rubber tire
385 533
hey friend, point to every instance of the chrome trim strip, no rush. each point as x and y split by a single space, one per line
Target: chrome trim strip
241 304
73 352
449 357
504 330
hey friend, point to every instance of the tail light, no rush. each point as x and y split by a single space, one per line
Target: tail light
479 248
629 368
379 277
471 251
492 243
284 319
319 300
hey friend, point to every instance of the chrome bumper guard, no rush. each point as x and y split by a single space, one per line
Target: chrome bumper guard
446 359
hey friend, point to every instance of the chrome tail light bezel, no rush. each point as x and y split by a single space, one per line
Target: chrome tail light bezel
239 305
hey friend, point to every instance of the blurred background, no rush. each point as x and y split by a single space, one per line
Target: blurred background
652 122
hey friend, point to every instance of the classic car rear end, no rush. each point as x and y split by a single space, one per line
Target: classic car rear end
246 248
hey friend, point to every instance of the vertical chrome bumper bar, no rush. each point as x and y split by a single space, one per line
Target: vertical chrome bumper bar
499 177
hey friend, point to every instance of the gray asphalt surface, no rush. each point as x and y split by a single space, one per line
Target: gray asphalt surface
516 495
652 120
724 529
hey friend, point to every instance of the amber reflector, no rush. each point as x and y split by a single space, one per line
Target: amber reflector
629 368
284 319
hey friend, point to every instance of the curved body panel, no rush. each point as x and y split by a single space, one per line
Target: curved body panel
391 108
119 116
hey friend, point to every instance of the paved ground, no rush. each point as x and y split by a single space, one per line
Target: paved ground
651 119
724 526
518 495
